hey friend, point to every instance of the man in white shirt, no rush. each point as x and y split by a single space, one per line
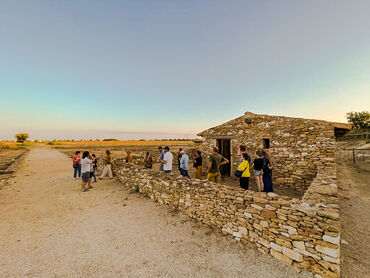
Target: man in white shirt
85 169
167 160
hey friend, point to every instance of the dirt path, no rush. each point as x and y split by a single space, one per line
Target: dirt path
51 229
355 217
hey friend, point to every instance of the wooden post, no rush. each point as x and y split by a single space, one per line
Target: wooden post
354 157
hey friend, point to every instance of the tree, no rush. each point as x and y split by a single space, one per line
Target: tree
21 137
359 119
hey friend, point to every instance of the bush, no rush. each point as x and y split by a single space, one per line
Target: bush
21 137
359 119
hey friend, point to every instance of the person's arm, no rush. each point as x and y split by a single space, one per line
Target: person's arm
209 165
226 161
164 161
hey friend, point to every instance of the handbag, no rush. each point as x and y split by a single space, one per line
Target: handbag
239 173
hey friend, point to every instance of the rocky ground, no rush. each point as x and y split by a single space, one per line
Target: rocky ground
49 228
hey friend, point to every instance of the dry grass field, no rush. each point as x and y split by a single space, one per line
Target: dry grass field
10 153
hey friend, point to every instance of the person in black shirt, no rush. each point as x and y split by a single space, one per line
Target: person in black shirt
179 158
258 170
95 166
198 164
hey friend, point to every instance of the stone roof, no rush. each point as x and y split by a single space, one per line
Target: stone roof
220 129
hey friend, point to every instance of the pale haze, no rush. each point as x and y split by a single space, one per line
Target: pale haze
170 69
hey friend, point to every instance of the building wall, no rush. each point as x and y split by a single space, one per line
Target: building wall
298 147
304 233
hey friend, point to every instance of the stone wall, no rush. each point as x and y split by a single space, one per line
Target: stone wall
304 233
299 148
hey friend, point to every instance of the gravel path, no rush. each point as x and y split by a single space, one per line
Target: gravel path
355 219
51 229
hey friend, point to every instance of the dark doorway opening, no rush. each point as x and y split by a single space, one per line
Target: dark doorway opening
224 147
266 143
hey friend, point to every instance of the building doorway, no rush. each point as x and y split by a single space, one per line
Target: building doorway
224 147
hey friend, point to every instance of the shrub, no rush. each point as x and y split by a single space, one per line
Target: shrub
359 119
21 137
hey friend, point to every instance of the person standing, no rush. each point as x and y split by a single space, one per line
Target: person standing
108 166
161 155
198 164
267 172
95 166
258 170
215 161
85 169
167 160
179 159
244 168
184 164
148 160
242 150
76 165
129 157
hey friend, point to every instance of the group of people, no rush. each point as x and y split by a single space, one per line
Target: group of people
262 170
85 167
262 166
166 160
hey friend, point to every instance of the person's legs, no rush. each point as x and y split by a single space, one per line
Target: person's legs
241 182
210 177
94 169
75 169
217 177
199 172
258 183
110 174
85 179
83 186
244 183
185 173
79 170
105 170
261 182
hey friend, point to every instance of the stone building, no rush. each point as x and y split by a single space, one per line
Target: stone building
298 147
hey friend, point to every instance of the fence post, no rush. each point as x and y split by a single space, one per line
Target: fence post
354 157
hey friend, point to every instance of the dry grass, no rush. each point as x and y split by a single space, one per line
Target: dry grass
12 145
124 143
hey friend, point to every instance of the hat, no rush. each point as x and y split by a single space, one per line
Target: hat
182 152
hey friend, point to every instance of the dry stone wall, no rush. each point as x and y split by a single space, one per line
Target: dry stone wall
304 233
299 148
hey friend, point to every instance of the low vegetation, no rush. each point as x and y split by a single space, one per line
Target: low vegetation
21 137
359 120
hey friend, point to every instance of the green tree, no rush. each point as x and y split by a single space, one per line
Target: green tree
21 137
359 119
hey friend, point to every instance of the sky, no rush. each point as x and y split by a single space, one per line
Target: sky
76 69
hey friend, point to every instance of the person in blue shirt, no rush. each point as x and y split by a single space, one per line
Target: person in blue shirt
184 164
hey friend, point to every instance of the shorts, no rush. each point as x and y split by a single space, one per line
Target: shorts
86 177
258 173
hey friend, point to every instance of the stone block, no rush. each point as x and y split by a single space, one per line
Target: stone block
280 256
327 251
268 213
292 254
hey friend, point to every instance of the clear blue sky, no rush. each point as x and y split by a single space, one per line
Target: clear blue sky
145 69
